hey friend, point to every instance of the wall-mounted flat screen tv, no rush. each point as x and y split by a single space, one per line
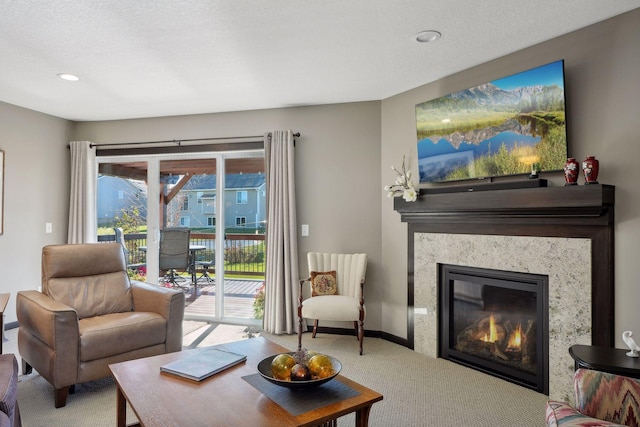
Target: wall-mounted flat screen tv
500 128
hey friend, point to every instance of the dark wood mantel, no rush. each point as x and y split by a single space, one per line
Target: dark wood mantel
579 202
580 211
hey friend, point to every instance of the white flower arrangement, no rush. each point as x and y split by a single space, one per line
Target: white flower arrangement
403 185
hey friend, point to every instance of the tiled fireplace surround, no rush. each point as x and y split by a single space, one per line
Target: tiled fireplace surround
569 287
563 234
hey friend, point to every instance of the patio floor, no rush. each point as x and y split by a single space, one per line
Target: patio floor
238 298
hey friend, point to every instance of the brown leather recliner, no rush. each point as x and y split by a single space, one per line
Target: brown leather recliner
89 315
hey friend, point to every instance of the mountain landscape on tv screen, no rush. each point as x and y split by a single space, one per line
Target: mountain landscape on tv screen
493 129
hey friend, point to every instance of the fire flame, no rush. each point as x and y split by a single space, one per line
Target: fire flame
515 340
493 331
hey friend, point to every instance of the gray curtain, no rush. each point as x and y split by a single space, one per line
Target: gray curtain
281 276
82 203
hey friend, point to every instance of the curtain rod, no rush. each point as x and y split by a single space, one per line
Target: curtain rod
180 141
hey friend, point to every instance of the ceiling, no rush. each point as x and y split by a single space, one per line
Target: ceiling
150 58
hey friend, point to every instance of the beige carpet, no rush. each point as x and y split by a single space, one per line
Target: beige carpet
418 390
422 391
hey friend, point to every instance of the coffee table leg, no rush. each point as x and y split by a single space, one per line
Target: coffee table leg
362 416
121 408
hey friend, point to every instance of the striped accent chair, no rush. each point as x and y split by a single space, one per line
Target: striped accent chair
342 292
602 399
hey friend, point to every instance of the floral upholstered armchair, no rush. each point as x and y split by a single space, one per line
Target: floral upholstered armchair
602 399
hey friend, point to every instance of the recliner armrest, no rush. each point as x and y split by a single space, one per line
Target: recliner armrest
169 303
52 322
155 299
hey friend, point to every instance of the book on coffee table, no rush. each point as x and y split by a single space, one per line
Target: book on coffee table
203 363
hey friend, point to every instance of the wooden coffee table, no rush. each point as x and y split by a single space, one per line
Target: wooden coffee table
225 399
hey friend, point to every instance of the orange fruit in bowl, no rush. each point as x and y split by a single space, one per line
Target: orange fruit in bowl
320 366
281 366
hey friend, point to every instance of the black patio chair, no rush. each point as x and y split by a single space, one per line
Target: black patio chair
174 255
135 267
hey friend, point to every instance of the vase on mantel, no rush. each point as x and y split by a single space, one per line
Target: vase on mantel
571 171
590 167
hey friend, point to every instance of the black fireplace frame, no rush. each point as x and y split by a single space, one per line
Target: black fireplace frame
534 283
578 211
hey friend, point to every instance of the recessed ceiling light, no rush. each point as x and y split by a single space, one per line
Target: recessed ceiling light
69 77
428 36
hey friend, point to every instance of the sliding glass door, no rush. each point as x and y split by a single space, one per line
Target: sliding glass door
244 219
220 198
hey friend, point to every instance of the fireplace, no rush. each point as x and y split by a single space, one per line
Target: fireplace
565 233
496 322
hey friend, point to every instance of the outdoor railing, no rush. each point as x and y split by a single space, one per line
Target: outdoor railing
244 253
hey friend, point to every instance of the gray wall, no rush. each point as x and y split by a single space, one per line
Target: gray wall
602 80
36 191
337 172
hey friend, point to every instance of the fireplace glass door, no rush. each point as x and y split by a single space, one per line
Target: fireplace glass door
495 322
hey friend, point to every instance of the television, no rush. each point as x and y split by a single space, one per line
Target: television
509 126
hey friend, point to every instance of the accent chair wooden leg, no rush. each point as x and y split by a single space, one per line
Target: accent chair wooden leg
61 396
299 333
361 334
355 326
315 328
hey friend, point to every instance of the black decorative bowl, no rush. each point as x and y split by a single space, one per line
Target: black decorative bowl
264 368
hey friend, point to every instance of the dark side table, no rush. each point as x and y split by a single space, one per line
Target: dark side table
605 359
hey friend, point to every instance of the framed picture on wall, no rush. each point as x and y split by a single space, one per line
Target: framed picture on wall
1 191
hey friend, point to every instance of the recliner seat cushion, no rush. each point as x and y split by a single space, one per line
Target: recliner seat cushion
343 308
117 333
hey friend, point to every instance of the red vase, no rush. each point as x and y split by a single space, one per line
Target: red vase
590 167
571 171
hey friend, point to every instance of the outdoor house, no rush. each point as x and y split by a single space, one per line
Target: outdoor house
245 195
117 197
245 206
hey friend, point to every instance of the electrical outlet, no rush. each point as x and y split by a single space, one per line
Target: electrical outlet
48 228
305 229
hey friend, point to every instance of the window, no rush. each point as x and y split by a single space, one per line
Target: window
241 221
185 204
207 203
184 221
211 221
241 197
